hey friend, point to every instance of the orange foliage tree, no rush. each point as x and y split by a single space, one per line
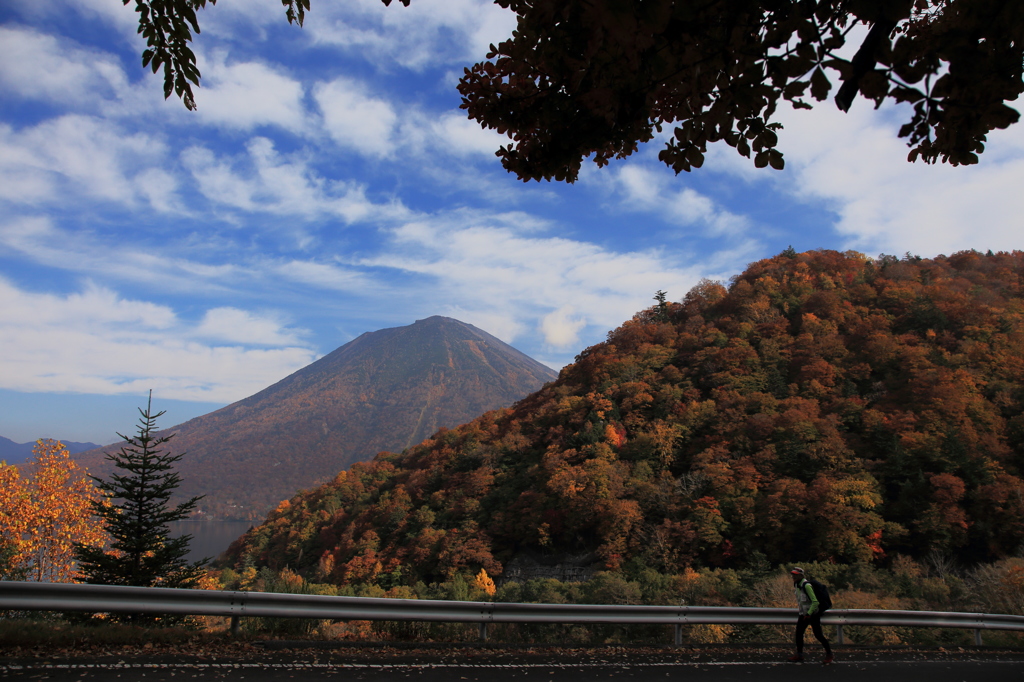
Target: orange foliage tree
14 518
42 516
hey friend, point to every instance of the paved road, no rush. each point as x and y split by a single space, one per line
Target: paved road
528 666
935 671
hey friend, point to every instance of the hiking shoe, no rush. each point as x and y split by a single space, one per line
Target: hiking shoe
828 659
796 659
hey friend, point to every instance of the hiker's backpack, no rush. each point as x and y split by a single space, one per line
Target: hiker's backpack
821 592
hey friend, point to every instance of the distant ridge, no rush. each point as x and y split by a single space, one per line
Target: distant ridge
385 390
16 453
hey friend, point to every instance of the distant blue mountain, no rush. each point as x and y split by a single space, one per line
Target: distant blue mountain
16 453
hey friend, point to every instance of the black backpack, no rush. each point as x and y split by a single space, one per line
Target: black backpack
821 592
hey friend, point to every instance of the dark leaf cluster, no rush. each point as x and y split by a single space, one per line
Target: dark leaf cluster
595 78
167 26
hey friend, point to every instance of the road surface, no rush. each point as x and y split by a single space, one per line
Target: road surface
521 665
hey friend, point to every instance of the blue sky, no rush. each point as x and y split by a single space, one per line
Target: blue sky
328 185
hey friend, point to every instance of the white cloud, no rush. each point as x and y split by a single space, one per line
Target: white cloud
115 14
92 308
856 163
37 66
653 189
22 178
241 326
227 268
497 323
246 95
562 328
324 275
217 180
94 341
39 240
455 134
356 120
75 155
384 129
480 261
268 182
428 32
160 189
240 17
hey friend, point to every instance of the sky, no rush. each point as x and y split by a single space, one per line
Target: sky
329 185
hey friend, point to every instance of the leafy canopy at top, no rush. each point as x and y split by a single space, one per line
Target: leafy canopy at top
583 78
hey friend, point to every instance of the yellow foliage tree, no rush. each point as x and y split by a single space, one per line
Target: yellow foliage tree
44 515
485 583
14 516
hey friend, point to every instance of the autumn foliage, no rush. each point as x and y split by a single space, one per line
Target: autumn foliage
823 406
43 514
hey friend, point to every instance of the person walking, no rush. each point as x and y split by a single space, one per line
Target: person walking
810 614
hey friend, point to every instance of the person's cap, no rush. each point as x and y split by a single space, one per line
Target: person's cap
797 571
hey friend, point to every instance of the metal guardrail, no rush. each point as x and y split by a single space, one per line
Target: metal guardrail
32 596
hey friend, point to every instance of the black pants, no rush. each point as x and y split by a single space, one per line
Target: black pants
815 622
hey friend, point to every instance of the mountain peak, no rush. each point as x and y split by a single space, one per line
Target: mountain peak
440 319
385 390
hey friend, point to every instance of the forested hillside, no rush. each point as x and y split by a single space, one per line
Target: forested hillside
824 406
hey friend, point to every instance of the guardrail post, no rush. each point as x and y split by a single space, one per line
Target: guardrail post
977 636
234 626
483 632
839 633
679 634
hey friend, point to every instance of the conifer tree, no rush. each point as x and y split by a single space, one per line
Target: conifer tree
141 552
662 313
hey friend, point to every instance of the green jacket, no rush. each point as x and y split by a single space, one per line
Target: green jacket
806 600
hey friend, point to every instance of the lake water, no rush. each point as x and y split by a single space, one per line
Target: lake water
209 538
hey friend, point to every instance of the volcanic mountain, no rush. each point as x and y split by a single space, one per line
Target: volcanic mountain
385 390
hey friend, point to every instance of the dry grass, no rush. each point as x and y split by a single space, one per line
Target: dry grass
44 632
